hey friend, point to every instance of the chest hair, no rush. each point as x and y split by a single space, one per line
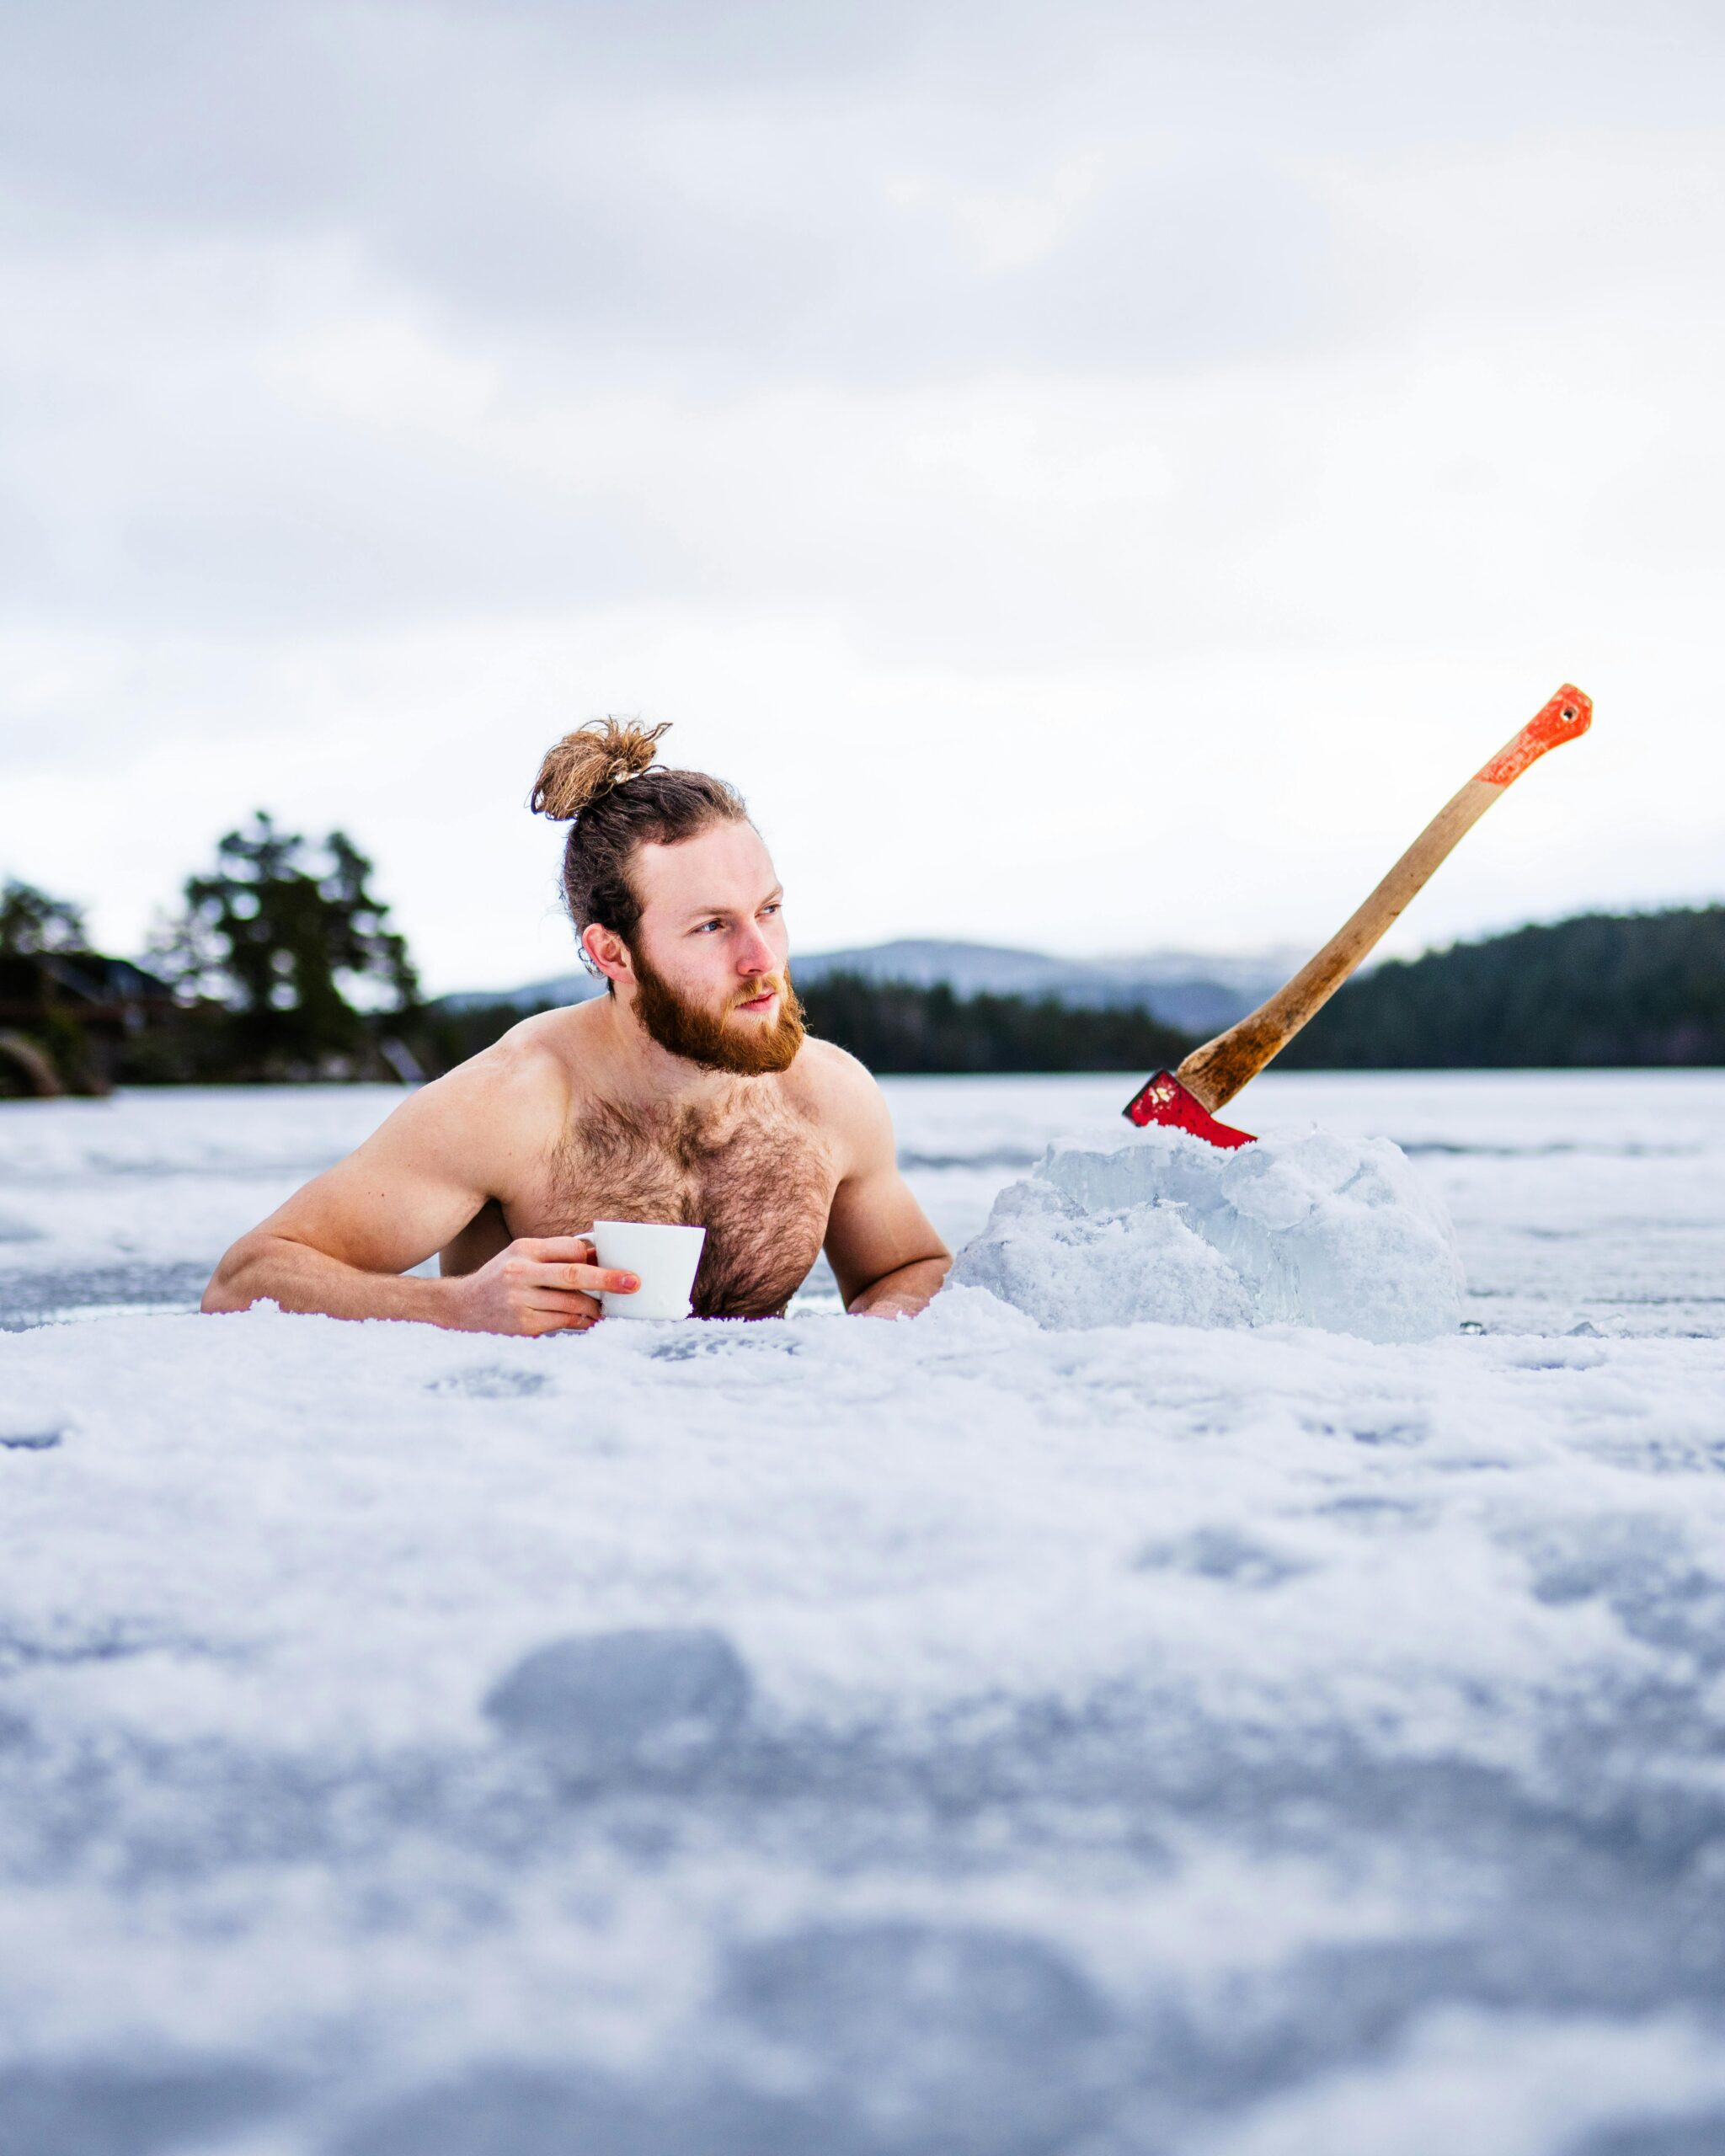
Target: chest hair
757 1176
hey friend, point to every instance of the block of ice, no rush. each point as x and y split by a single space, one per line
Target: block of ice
1313 1229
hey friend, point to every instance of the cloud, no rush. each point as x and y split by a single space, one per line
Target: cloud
762 192
383 387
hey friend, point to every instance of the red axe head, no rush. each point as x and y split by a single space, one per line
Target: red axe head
1167 1101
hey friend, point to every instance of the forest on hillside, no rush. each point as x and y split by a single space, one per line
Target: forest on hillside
1602 990
279 961
898 1030
1598 991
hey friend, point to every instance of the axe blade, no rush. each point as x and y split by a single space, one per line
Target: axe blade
1165 1101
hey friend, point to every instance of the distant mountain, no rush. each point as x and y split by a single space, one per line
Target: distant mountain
534 995
1196 992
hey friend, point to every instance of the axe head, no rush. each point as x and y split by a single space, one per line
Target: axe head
1166 1101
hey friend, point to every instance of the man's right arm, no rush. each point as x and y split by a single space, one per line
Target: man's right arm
343 1245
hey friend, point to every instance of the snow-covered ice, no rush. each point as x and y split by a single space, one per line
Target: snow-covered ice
971 1735
1311 1229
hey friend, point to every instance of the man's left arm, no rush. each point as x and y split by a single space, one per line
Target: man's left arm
881 1245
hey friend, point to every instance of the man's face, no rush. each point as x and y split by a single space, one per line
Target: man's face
710 953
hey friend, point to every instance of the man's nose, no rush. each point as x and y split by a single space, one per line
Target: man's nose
755 956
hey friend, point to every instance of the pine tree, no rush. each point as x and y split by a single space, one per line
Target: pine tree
290 938
31 922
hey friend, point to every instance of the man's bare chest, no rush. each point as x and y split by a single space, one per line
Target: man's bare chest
761 1185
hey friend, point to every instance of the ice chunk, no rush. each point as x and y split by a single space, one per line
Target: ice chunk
1314 1229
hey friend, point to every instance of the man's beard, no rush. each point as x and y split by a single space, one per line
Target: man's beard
713 1038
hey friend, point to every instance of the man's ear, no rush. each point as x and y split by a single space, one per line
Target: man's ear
608 952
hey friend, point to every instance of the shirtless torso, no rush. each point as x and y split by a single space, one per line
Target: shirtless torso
511 1159
756 1169
779 1147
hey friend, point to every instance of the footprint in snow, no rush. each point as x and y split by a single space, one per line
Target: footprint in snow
616 1705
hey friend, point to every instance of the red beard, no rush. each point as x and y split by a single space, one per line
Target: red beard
714 1039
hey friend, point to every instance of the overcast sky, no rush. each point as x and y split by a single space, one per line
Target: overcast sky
1095 476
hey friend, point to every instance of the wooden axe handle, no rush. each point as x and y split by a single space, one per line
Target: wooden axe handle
1216 1072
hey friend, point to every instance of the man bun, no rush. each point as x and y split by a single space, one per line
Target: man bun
589 762
602 782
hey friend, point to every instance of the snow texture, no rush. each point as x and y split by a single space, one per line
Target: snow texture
1313 1229
622 1705
959 1737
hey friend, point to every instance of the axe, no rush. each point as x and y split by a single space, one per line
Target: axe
1187 1099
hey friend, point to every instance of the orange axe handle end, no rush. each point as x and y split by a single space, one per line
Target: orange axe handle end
1565 717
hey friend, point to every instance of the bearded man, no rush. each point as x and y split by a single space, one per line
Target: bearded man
687 1092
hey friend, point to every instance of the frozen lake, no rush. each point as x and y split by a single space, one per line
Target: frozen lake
828 1739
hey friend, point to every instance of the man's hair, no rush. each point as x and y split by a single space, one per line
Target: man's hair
600 776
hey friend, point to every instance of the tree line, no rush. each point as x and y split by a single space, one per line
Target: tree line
280 963
897 1028
1600 991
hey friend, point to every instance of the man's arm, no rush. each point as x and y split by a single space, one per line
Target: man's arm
881 1245
341 1245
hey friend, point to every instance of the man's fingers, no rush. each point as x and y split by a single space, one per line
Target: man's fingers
552 1295
597 1281
555 1284
536 1322
557 1302
588 1279
553 1250
567 1261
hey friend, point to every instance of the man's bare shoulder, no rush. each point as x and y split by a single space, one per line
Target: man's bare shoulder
545 1050
825 1071
514 1097
834 1090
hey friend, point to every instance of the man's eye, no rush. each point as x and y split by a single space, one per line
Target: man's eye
777 906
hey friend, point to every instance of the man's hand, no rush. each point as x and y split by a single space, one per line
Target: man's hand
541 1283
903 1294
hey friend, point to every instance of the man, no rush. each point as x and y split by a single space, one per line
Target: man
688 1092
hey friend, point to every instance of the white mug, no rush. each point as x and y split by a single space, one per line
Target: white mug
662 1258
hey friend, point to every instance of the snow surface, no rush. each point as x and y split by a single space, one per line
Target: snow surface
1313 1230
964 1735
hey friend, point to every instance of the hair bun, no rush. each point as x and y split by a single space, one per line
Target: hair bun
589 762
